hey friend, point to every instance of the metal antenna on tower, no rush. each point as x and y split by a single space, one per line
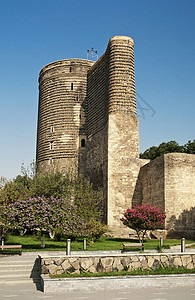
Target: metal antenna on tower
92 54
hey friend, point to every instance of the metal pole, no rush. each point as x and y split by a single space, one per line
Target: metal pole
68 246
85 244
183 245
161 242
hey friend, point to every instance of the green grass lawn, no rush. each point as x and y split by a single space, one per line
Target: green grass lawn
33 243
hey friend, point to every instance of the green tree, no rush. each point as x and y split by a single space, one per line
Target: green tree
189 147
90 206
168 147
55 183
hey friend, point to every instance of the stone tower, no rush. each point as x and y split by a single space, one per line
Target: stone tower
112 127
87 122
61 116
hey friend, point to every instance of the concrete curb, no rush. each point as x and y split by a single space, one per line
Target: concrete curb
61 285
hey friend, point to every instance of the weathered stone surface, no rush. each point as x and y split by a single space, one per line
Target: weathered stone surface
66 265
107 263
114 263
48 261
144 264
135 265
86 263
59 271
190 266
193 259
126 261
186 260
156 264
74 264
53 269
117 265
44 270
164 261
134 258
177 262
150 261
59 261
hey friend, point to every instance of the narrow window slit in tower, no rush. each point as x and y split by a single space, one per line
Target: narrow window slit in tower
70 70
71 86
83 143
51 145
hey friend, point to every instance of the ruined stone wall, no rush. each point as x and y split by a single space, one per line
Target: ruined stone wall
168 182
152 182
180 194
61 116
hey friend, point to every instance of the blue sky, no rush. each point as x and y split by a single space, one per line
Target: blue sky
37 32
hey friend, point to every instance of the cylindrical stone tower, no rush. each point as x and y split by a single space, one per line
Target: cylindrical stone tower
121 75
61 114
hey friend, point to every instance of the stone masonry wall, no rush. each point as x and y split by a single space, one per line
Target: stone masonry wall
152 183
114 263
168 182
180 194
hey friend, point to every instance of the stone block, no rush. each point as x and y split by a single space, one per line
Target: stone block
44 270
86 264
93 269
177 262
156 264
75 264
117 265
164 261
106 263
190 266
135 265
59 261
134 258
150 261
126 261
66 265
186 260
53 269
48 261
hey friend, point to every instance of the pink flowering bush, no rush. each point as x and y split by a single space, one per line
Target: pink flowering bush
142 218
54 215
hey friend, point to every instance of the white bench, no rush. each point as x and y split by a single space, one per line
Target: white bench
132 245
12 247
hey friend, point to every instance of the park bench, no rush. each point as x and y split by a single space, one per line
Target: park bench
11 247
132 245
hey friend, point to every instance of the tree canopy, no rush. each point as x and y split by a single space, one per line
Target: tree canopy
89 203
168 147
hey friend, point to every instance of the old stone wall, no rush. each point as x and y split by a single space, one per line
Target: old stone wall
179 179
168 182
152 183
114 263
